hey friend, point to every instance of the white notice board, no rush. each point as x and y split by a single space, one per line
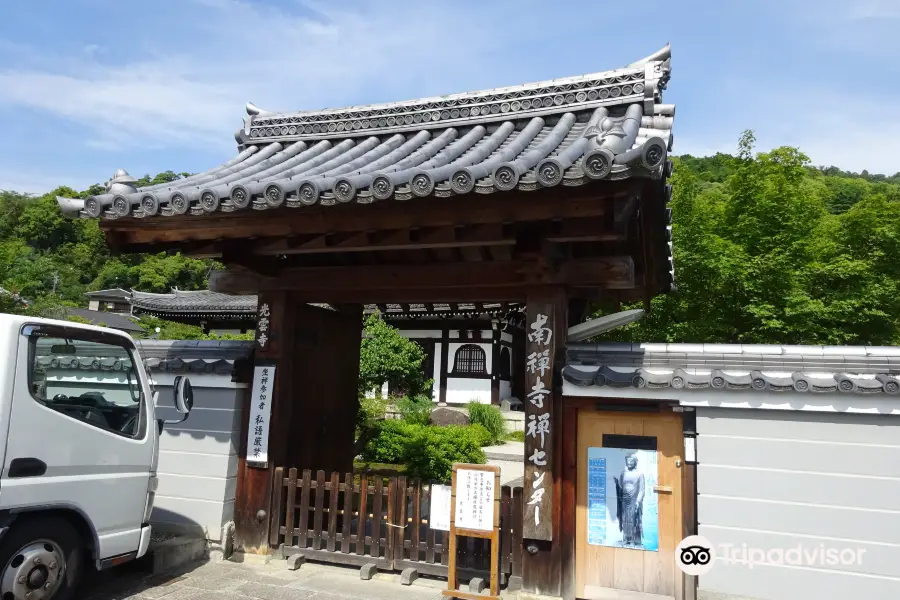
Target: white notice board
474 500
440 507
260 411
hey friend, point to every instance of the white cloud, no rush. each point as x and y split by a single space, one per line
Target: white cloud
241 49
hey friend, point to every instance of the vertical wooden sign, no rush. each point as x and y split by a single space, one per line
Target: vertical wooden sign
539 359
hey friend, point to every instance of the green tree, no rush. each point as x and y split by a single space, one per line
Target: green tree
387 356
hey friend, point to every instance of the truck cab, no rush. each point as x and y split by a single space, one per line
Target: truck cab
79 448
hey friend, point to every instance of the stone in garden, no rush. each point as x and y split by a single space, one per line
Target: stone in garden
448 416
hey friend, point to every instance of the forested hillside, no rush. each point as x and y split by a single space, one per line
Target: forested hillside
768 249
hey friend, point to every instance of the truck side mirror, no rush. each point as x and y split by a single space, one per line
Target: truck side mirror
184 400
184 395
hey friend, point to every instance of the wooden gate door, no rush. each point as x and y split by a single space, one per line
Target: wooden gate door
628 514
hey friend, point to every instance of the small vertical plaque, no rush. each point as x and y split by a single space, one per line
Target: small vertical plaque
260 413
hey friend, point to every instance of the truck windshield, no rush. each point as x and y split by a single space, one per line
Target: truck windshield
92 381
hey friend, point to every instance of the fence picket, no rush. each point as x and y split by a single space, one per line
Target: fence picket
505 528
319 513
363 515
377 517
303 521
347 514
277 506
416 530
333 510
399 533
291 499
516 543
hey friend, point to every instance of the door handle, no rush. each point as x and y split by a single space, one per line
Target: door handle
27 467
662 489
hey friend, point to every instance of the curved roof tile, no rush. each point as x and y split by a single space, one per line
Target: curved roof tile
608 125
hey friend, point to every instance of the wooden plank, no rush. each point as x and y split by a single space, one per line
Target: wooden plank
429 534
568 531
347 516
277 508
400 524
495 541
377 517
506 529
518 511
291 499
445 548
333 508
416 524
337 558
629 563
611 272
451 567
319 510
304 509
363 515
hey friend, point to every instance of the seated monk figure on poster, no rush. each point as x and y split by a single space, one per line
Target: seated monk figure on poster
630 497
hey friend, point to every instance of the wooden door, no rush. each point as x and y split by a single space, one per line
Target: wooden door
613 571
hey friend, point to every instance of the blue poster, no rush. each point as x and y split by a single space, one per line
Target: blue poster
623 508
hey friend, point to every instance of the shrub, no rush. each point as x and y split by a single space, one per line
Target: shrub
433 450
481 435
516 436
390 443
415 410
489 417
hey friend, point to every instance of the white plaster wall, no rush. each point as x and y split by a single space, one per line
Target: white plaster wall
505 389
506 337
420 333
436 376
462 390
198 458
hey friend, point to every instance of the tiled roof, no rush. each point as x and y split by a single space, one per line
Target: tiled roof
203 301
735 367
608 125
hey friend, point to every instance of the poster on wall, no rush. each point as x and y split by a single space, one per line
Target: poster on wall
623 508
260 412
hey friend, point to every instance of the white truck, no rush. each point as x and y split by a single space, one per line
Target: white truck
79 453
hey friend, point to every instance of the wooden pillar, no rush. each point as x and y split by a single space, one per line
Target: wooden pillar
445 361
545 330
315 352
273 345
495 365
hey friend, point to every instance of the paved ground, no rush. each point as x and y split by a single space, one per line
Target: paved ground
509 457
232 581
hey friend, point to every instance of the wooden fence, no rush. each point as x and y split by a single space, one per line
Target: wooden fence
383 520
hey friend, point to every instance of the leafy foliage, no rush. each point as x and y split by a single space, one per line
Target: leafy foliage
489 417
770 250
387 356
416 409
427 451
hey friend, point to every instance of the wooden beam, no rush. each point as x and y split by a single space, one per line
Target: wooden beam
556 203
603 273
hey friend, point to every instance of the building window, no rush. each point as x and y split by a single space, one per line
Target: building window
505 364
470 360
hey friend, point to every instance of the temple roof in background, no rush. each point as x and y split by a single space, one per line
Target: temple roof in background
570 131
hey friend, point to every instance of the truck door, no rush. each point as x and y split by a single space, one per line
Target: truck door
81 434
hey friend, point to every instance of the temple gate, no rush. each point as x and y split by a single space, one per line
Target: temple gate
551 194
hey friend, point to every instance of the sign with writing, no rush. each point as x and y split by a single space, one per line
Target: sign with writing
440 508
539 422
474 500
260 411
263 324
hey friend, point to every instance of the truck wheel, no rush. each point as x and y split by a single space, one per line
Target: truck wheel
41 560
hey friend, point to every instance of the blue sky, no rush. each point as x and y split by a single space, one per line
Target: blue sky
88 86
